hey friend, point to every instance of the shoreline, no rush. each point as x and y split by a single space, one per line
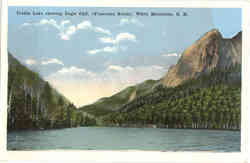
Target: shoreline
102 126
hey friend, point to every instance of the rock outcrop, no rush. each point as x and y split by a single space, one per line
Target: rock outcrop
209 52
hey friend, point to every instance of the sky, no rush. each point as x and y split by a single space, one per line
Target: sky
90 57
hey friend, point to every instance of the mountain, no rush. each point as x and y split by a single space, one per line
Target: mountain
34 104
209 52
203 90
109 104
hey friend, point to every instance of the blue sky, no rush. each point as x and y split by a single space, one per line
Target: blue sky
89 57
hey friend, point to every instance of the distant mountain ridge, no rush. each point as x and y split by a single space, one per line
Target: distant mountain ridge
109 104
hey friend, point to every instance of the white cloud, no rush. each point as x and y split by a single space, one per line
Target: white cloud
66 29
119 68
64 32
120 37
94 51
63 22
107 49
65 35
101 30
125 36
51 22
52 61
115 41
71 73
157 67
107 40
83 86
26 24
115 67
125 21
71 30
30 62
88 25
110 49
170 55
71 70
84 25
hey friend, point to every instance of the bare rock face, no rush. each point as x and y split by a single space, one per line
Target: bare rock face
209 52
132 96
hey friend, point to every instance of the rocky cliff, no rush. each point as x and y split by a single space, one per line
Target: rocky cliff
209 52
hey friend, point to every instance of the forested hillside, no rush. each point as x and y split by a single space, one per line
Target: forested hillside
107 105
211 101
34 104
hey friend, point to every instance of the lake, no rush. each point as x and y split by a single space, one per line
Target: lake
111 138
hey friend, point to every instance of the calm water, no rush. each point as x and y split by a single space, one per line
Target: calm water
105 138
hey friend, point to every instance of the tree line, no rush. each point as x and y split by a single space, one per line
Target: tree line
211 101
34 104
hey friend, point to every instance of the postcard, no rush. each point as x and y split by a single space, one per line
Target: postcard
95 78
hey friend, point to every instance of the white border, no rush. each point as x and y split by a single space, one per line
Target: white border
3 71
128 156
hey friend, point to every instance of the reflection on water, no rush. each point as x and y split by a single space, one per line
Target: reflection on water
106 138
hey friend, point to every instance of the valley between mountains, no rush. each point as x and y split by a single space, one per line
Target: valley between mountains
202 90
